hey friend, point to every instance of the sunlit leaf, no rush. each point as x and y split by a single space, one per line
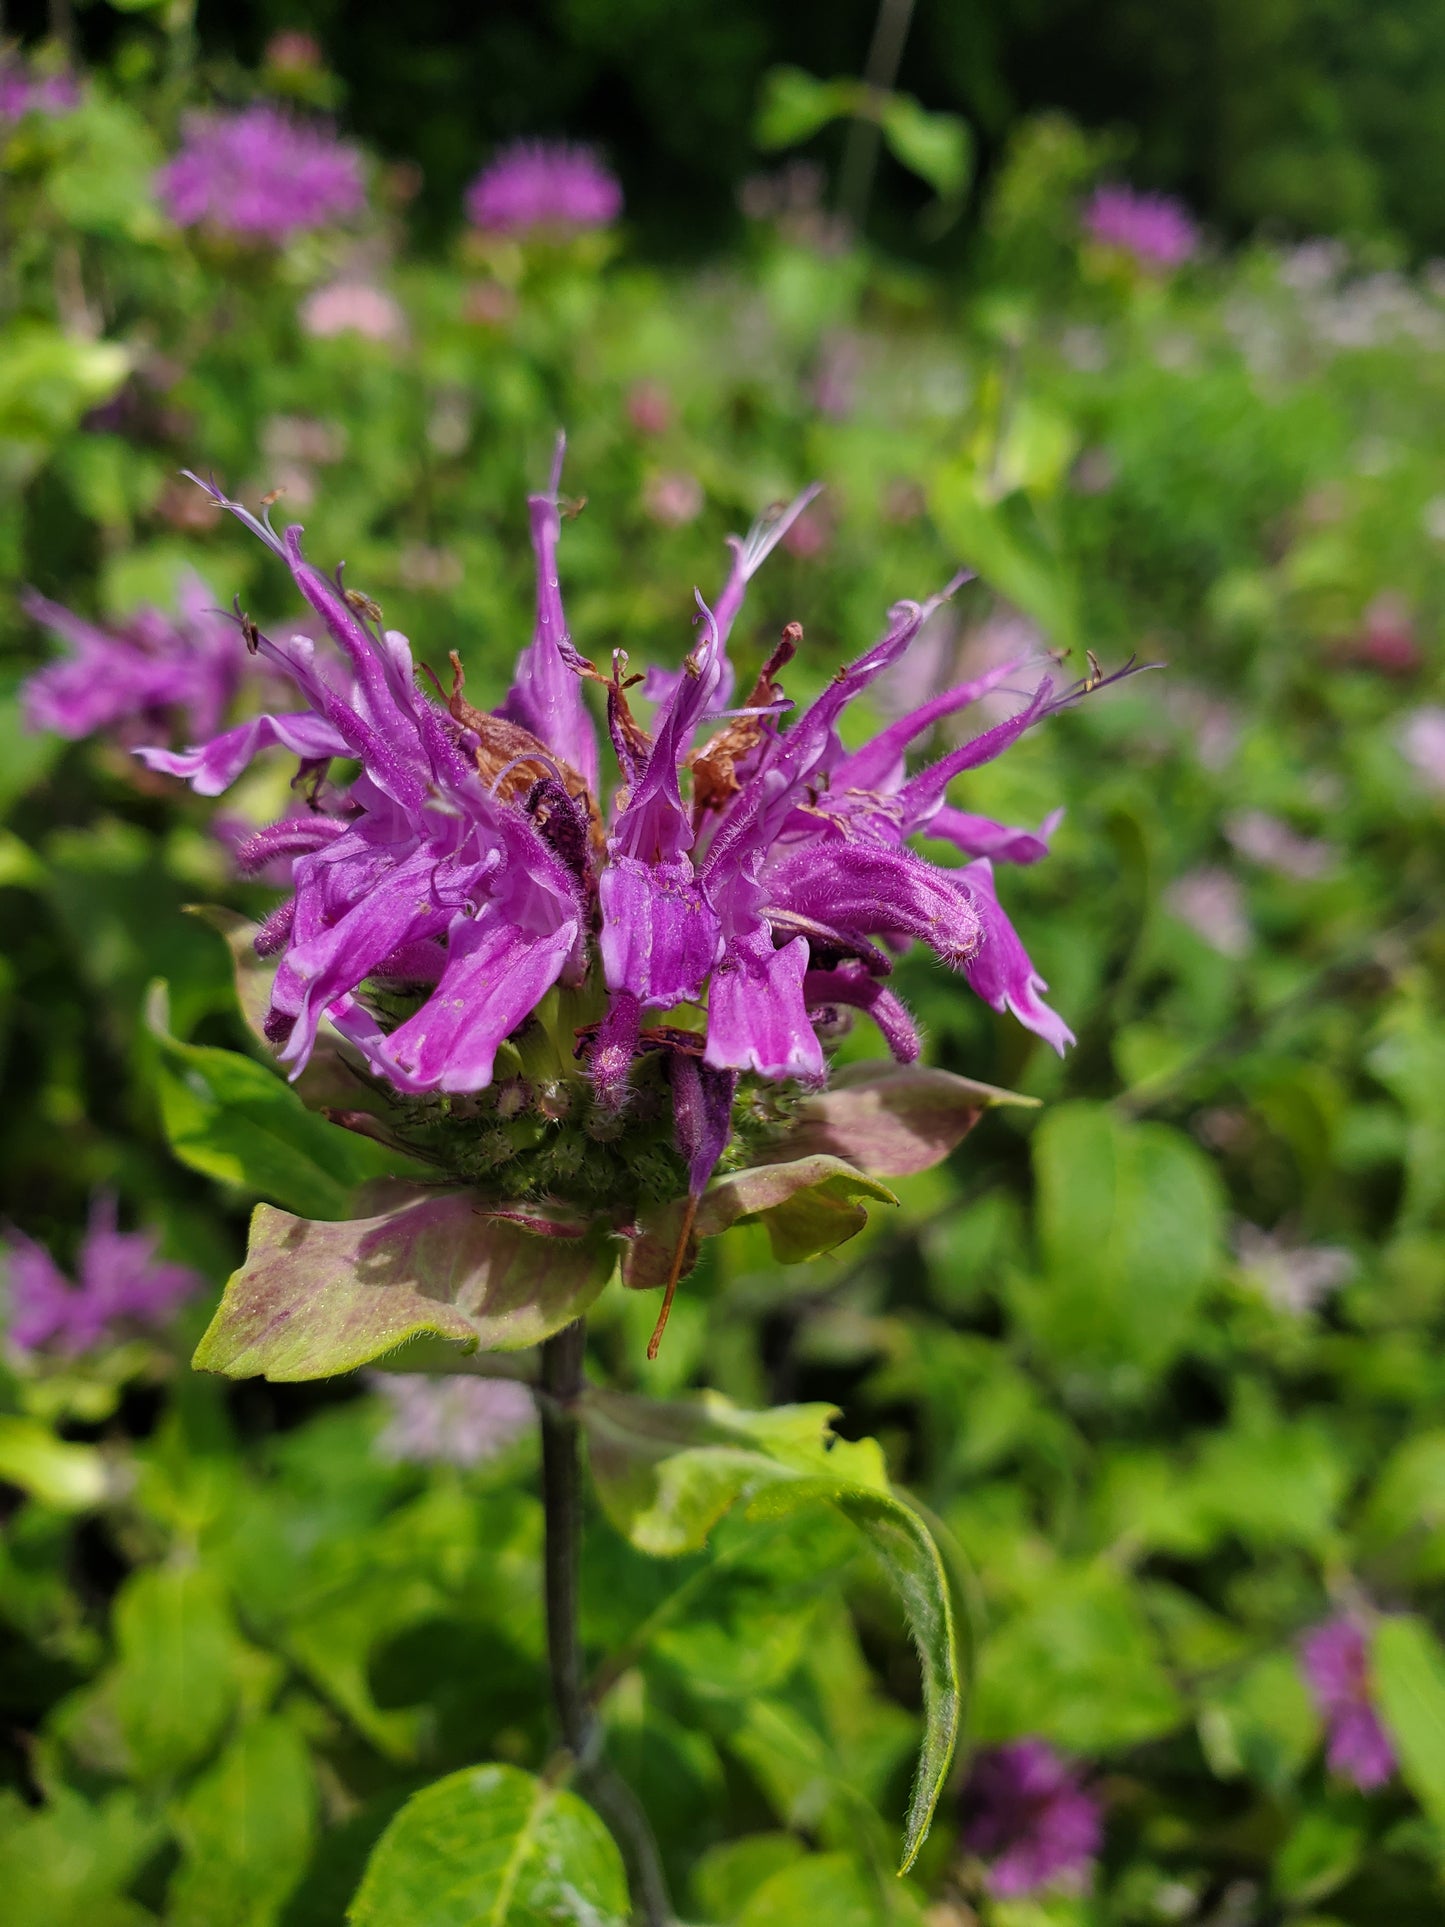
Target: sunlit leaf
667 1473
313 1299
492 1844
235 1120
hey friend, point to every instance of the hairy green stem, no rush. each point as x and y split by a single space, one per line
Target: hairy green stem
559 1388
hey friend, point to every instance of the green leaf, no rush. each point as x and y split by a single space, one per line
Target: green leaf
312 1300
829 1887
245 1831
796 105
59 1473
1129 1234
68 1863
1001 537
936 147
726 1877
163 1704
809 1205
235 1120
889 1120
667 1473
492 1844
1409 1674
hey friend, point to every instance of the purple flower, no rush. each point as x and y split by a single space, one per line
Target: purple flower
24 90
1211 902
469 869
1335 1660
353 307
1154 228
139 678
1422 741
122 1284
1031 1819
260 175
454 1421
543 186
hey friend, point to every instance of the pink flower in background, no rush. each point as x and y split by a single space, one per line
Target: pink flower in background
649 408
672 499
151 673
1387 641
24 90
1155 229
1422 740
352 307
543 186
1031 1819
260 175
1271 843
1296 1278
1335 1659
121 1285
1211 902
453 1421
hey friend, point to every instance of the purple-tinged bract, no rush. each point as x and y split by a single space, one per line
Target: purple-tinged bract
543 187
122 1287
1155 229
1335 1659
1031 1819
150 673
260 175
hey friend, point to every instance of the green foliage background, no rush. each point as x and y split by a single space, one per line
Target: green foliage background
239 1636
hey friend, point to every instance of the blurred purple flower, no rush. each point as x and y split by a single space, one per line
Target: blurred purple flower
1211 902
1271 843
1295 1278
1422 740
454 1421
25 90
469 864
122 1284
1031 1819
140 678
672 498
352 307
543 186
259 174
1154 228
1335 1659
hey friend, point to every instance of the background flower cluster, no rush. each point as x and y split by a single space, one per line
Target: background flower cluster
1159 1356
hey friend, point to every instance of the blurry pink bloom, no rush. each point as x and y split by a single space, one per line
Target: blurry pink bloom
1295 1278
292 51
1271 843
353 307
1422 742
835 379
541 186
25 90
1388 641
1155 229
121 1285
1032 1820
649 408
302 438
1335 1660
811 534
489 304
1211 902
672 498
261 175
452 1421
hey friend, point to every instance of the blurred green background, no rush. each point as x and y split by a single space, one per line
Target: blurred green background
1164 1356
